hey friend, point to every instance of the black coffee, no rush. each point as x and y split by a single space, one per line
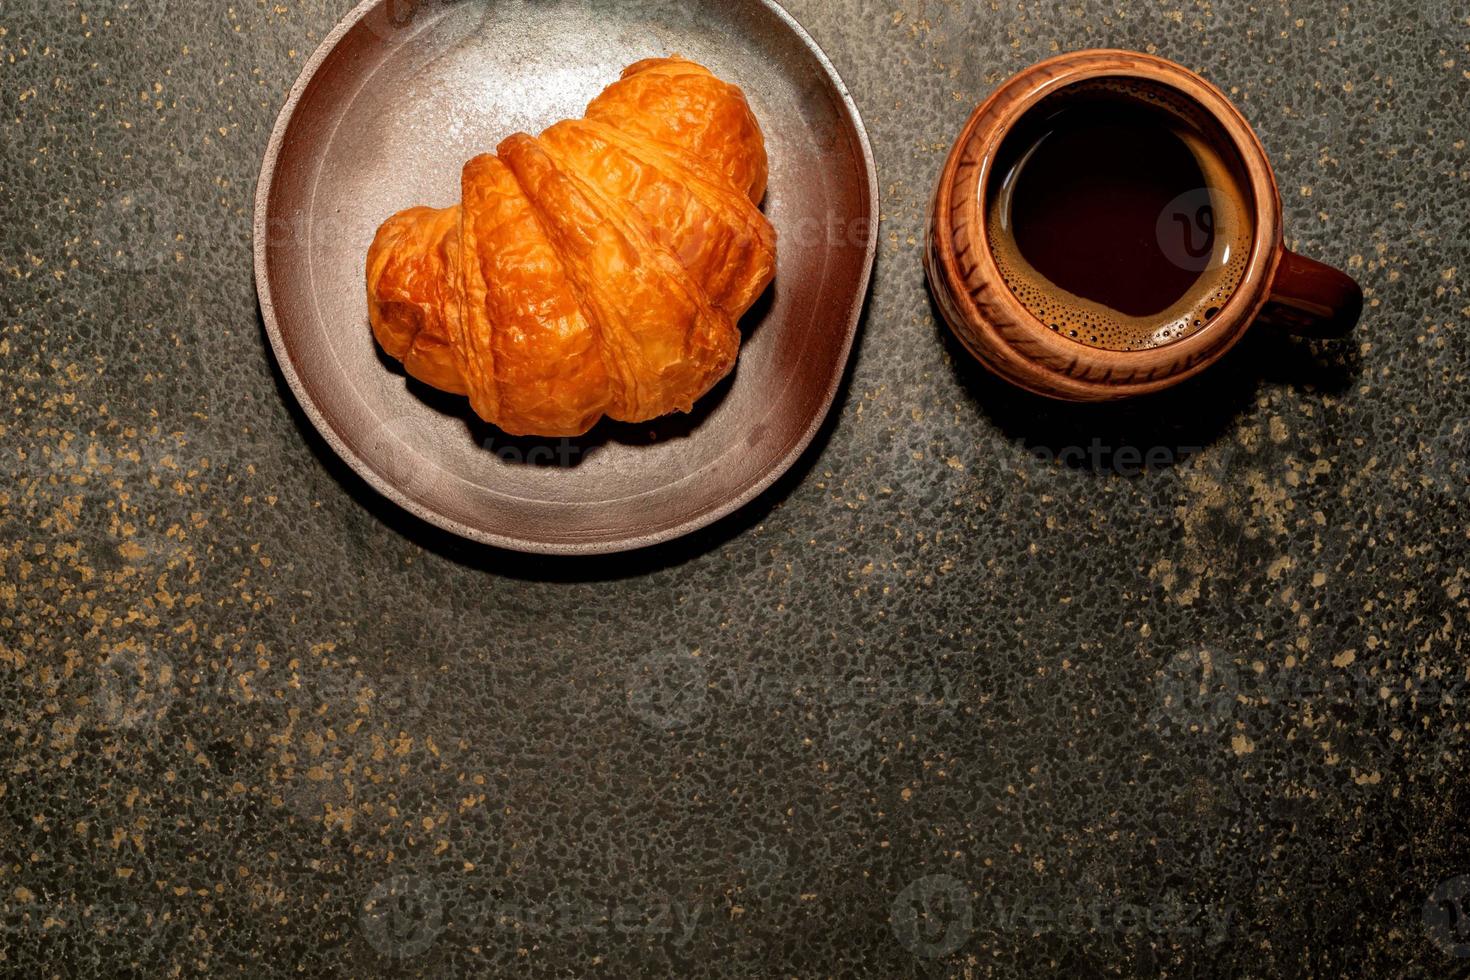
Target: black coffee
1115 220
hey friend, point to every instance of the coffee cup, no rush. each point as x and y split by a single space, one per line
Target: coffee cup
1108 225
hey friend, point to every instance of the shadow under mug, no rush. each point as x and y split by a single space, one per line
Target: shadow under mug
1277 286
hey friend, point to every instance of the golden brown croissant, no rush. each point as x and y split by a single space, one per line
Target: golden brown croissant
599 269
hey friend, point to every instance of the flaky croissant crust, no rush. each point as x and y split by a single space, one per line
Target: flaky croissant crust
598 269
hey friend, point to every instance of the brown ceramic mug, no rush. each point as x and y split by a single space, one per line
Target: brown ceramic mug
994 309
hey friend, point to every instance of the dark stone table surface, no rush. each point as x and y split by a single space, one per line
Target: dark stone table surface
949 700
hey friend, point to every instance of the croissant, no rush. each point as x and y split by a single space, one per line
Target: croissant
599 269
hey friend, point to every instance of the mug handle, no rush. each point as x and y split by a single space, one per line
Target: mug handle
1310 299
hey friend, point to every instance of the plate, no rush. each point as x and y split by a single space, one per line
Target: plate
398 97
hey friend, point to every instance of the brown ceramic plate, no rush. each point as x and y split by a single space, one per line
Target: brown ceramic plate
385 114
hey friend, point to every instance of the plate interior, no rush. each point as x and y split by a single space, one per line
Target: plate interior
387 119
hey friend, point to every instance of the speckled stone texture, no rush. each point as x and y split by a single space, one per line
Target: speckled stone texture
950 700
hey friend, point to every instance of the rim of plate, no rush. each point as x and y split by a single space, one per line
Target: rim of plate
387 489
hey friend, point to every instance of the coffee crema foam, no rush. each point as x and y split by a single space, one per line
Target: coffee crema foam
1219 268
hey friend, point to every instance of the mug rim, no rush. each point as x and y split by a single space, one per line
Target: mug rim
1001 331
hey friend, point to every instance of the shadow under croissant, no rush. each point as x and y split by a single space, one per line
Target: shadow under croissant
580 568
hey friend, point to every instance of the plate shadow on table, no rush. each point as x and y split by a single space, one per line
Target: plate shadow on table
1183 420
577 568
